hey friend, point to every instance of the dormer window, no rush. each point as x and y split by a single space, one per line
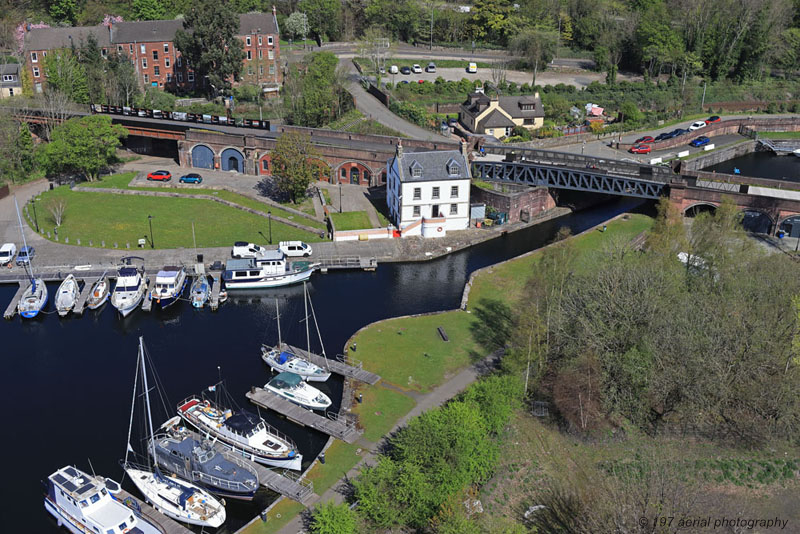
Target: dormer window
416 169
453 168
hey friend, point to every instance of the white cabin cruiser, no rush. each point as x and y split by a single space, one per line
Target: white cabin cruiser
67 295
170 283
129 290
269 269
242 432
292 388
83 503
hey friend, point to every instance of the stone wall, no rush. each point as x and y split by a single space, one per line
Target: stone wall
718 156
522 203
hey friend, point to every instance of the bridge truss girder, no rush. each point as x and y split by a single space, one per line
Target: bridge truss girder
562 178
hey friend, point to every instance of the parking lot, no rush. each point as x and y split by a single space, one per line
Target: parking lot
579 79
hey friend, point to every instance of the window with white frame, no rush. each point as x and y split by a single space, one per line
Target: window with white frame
269 40
271 54
179 61
146 79
166 48
259 40
155 55
142 49
180 77
454 191
34 57
249 55
166 61
130 47
453 209
190 76
247 40
9 77
119 49
453 168
417 193
35 72
272 69
435 192
144 62
249 70
416 211
169 77
260 53
104 52
261 69
156 71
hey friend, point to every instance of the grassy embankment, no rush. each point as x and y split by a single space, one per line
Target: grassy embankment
121 219
412 359
355 122
780 135
351 220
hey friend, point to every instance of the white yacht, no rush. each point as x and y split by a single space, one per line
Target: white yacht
170 283
291 387
67 295
269 269
83 503
242 432
168 494
129 290
34 298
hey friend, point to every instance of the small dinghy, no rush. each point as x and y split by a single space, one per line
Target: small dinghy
67 295
200 292
99 294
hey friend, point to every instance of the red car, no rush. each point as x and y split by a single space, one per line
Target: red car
162 176
640 149
646 139
715 118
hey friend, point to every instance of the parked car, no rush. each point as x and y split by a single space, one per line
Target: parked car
7 253
295 248
405 70
161 176
242 249
700 141
403 81
472 68
640 149
382 70
191 178
25 255
393 69
646 139
697 125
713 118
662 136
416 68
431 67
453 122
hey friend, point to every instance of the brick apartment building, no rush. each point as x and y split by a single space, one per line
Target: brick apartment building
151 46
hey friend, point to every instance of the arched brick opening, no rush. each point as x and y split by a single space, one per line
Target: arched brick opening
265 164
232 160
322 171
757 221
202 157
700 207
353 172
790 225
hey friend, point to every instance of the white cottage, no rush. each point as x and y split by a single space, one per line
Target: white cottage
428 192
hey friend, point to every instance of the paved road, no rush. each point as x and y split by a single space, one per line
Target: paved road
576 79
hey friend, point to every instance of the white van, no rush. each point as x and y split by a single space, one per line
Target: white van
472 68
242 249
393 69
7 253
295 248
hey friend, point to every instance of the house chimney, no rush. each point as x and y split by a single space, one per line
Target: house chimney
274 11
464 150
399 151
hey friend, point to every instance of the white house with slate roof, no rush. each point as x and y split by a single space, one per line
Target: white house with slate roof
428 192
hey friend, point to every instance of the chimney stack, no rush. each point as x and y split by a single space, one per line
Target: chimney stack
274 11
464 150
399 151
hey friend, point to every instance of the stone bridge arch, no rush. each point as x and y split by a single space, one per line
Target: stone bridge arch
202 157
354 172
699 207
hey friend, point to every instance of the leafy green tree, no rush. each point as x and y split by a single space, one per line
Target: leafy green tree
401 18
16 150
293 164
492 21
94 66
149 9
332 518
210 44
64 10
322 96
296 25
85 144
66 75
121 81
536 46
324 17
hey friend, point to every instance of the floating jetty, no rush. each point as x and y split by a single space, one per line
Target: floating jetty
347 262
88 284
163 523
216 287
340 366
333 425
147 302
11 311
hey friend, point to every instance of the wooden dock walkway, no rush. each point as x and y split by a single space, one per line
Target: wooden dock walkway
346 262
298 490
332 425
216 286
11 311
147 302
88 284
337 366
165 524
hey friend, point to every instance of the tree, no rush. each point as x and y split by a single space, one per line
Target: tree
296 25
56 107
56 207
83 144
332 518
536 46
16 150
492 21
94 66
64 10
323 17
66 75
293 166
322 96
148 9
210 44
121 84
401 18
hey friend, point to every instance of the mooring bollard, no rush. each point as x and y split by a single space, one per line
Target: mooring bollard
264 516
322 458
79 240
360 398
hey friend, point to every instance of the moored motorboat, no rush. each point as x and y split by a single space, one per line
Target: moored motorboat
292 388
200 292
67 295
241 432
270 269
129 290
170 284
98 295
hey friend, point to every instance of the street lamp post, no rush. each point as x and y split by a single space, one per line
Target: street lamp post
35 218
150 220
269 218
340 197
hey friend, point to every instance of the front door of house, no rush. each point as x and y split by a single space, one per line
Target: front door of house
435 211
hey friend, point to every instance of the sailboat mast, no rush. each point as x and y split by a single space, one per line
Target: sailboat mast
29 263
319 334
133 406
278 317
305 302
146 392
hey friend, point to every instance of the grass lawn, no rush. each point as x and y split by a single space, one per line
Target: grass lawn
381 409
383 210
351 220
122 181
123 219
409 353
780 135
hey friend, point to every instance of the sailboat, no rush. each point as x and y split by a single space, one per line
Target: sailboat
67 295
200 291
285 358
169 495
34 298
99 293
